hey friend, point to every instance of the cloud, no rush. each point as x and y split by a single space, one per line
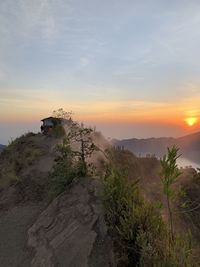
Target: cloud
38 14
28 19
2 75
84 61
140 50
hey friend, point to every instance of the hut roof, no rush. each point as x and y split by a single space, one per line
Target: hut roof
50 118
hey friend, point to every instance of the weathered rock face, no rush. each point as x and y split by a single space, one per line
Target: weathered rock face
14 224
71 232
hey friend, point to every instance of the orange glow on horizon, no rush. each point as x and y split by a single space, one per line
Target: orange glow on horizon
185 114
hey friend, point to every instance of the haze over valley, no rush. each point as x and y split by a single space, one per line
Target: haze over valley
189 147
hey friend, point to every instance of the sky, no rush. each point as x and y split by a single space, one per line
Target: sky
131 68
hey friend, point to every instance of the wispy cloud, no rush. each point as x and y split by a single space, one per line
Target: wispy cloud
106 51
2 75
84 61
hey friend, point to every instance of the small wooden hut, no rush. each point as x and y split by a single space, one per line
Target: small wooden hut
49 124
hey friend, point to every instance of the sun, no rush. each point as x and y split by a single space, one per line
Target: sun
191 121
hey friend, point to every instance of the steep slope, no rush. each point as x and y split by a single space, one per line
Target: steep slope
191 213
71 231
24 167
190 146
14 224
68 232
146 171
2 147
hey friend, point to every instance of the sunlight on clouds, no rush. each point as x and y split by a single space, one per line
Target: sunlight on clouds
137 111
24 108
28 105
133 62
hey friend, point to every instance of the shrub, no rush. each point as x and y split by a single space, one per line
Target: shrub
81 136
63 172
65 169
139 234
169 174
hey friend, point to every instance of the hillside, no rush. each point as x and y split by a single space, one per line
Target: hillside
146 171
24 167
34 231
2 147
189 146
70 230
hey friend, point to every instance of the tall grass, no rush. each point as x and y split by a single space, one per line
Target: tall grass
140 237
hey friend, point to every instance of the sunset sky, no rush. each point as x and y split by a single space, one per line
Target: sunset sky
132 68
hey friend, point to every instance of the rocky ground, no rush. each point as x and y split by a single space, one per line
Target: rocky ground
69 232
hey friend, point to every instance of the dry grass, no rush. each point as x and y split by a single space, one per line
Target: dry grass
17 156
147 170
26 154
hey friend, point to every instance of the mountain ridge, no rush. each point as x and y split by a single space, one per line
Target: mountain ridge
189 145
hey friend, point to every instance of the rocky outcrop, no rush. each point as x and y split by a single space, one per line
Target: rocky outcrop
71 232
14 224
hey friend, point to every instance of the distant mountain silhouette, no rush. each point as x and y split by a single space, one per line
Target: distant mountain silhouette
189 146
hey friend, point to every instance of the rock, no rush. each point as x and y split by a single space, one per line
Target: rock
71 232
14 224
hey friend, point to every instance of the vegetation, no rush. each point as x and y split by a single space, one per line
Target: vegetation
71 163
64 169
127 162
18 155
197 176
59 131
62 114
19 140
169 174
139 234
190 212
81 136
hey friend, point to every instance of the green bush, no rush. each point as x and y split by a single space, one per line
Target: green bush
65 169
140 236
63 172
